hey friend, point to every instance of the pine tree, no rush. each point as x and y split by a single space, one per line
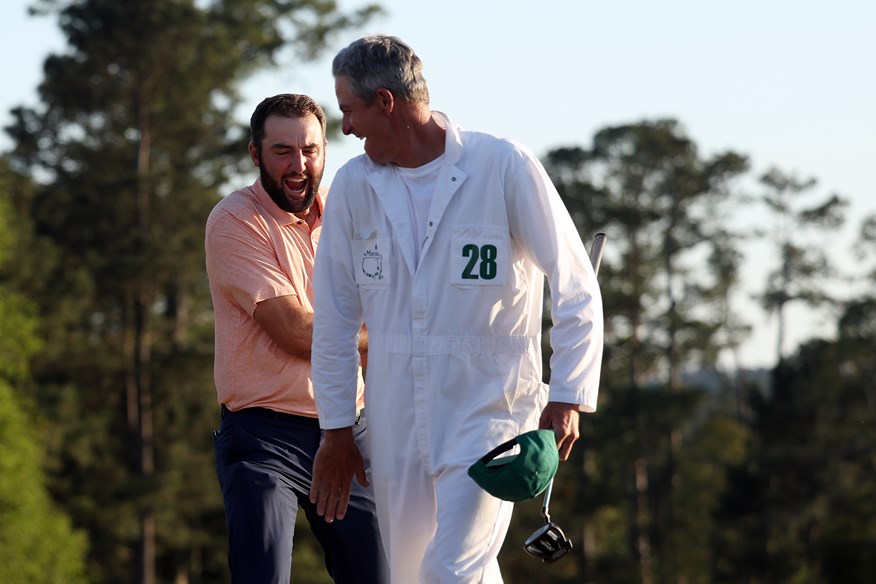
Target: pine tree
669 272
804 266
134 140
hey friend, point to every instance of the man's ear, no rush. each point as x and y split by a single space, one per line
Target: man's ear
254 154
386 100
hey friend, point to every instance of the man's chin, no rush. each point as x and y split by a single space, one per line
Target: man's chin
300 204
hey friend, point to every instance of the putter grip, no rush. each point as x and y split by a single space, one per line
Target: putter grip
596 251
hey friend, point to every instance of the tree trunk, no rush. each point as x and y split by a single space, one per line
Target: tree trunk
643 522
145 442
143 350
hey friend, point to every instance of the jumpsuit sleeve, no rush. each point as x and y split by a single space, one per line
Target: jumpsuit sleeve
542 225
337 315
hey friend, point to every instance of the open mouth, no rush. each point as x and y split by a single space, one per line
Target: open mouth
296 186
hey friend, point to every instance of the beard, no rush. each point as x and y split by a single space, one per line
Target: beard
275 191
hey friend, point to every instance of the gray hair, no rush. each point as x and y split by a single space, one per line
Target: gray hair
382 61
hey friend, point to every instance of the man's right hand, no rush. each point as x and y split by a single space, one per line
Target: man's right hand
337 461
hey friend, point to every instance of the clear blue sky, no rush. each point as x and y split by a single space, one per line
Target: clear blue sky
790 84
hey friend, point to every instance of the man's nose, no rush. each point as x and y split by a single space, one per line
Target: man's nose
298 162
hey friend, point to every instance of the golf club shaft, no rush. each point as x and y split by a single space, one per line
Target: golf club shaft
547 501
595 261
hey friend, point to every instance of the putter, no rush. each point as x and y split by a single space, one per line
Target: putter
549 543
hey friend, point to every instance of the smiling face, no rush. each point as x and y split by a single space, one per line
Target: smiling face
367 122
291 161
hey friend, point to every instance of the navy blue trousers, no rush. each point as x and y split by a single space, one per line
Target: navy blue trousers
264 462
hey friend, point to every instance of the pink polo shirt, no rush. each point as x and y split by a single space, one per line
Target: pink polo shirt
257 251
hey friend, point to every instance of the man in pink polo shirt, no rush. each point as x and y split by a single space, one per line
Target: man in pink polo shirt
260 243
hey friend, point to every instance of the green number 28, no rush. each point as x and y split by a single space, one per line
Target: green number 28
483 258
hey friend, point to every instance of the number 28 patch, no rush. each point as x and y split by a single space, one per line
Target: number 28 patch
479 256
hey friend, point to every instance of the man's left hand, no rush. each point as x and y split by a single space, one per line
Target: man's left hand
562 418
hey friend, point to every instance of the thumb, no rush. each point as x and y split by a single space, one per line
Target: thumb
361 475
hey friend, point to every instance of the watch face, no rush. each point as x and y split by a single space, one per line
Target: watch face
549 543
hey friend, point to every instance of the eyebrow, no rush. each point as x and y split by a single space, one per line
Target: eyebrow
283 145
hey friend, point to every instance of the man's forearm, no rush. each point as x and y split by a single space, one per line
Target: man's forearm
363 347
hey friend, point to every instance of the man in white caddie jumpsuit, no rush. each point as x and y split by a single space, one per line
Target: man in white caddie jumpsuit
439 239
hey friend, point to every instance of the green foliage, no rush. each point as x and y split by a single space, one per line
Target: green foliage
37 541
102 258
133 143
652 480
814 470
18 324
18 340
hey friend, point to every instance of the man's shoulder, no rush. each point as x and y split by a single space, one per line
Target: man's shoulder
353 172
358 164
241 202
495 144
479 148
245 197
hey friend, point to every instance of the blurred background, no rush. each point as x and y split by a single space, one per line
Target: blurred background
725 150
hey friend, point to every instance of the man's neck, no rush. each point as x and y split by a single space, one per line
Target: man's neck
425 141
310 215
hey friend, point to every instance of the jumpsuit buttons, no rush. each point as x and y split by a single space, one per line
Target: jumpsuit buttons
419 363
422 352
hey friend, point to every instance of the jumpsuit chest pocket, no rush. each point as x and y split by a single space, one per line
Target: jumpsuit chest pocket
371 260
479 256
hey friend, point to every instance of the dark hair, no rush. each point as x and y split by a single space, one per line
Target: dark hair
288 105
381 61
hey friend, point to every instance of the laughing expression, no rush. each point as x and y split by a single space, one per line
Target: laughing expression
291 161
367 122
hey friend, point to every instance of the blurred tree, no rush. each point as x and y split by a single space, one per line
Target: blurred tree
670 270
665 211
801 508
133 141
804 265
37 541
813 470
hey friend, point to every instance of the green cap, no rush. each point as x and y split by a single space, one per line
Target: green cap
520 476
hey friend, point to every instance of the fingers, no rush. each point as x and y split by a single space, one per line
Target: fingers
329 505
335 498
331 499
566 436
324 489
343 499
361 476
563 420
335 465
314 486
564 445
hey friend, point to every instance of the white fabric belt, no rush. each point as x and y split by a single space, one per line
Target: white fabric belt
451 345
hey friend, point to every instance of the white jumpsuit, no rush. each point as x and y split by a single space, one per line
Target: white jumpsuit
454 355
